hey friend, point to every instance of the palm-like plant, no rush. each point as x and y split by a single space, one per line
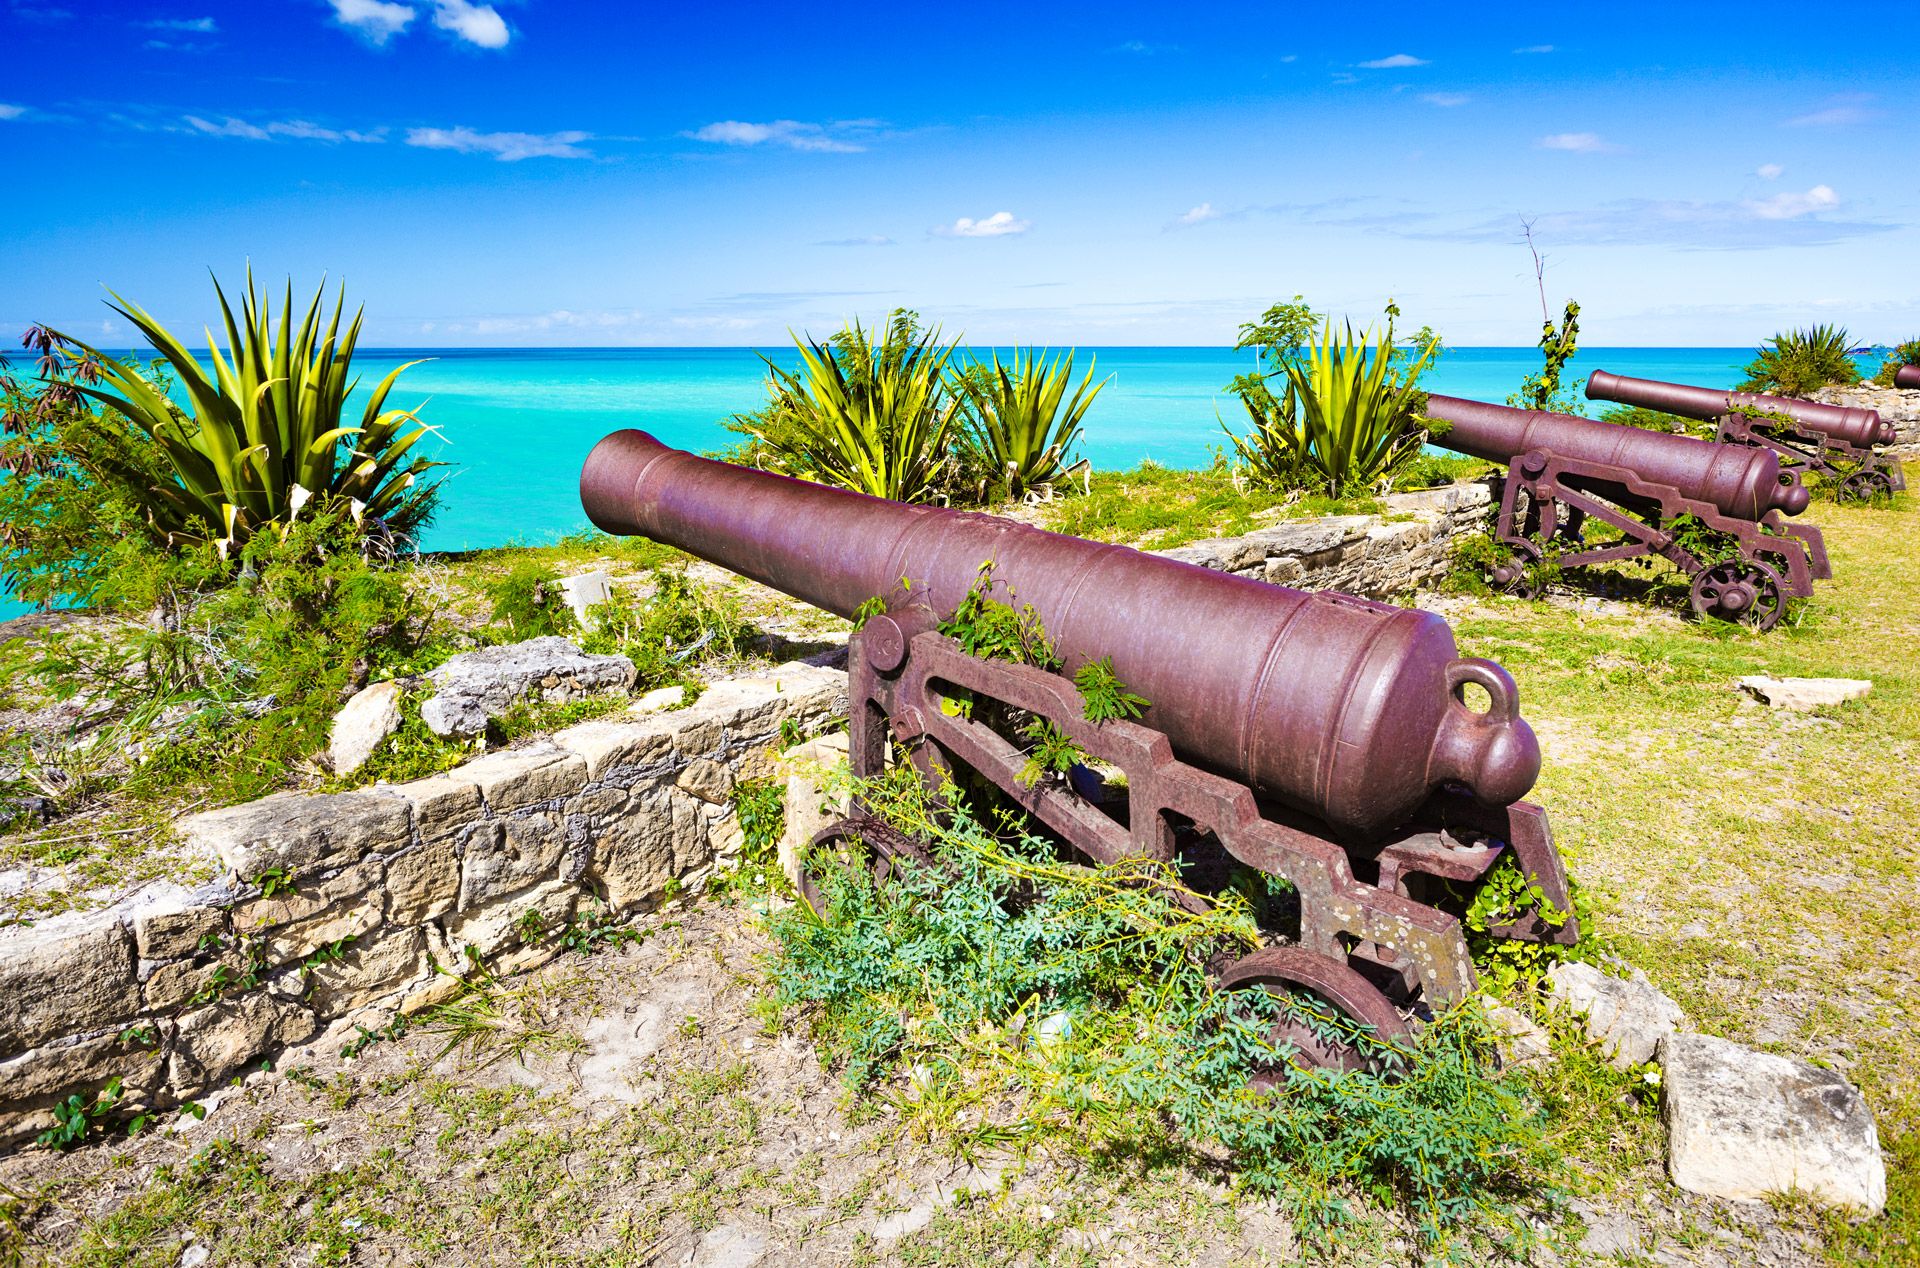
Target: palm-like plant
873 419
1348 417
266 432
1022 426
1801 362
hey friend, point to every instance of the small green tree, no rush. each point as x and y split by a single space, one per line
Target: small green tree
1558 343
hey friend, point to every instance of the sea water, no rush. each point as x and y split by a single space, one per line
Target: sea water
516 423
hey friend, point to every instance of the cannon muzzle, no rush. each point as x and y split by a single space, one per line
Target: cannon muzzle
1351 711
1907 376
1846 423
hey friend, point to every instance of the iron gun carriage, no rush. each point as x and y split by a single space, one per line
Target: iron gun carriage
1835 442
1715 511
1319 738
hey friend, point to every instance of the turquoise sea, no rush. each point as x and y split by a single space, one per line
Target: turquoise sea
518 421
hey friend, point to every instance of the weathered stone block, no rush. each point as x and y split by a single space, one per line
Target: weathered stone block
65 974
509 854
596 805
606 746
442 804
502 924
300 832
479 685
85 1063
362 724
1745 1124
422 882
526 776
696 733
1283 570
1627 1017
352 919
660 698
636 855
383 964
169 920
1301 537
1803 695
708 780
309 897
213 1043
167 984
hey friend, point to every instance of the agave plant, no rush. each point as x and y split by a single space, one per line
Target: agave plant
266 433
873 419
1347 419
1021 425
1801 362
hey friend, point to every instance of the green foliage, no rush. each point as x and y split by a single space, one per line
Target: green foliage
677 626
875 419
1052 754
1020 426
1707 544
266 431
871 606
273 882
75 1116
1906 352
1508 895
1801 362
951 972
992 630
1544 391
527 603
1349 414
1653 420
596 930
1104 696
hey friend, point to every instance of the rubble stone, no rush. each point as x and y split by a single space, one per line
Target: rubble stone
477 686
1627 1017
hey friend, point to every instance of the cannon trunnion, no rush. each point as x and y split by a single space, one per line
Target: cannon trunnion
1836 442
1315 737
1713 510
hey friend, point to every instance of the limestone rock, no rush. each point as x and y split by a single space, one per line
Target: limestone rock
373 967
169 920
422 882
1520 1041
1804 695
442 804
505 923
708 780
584 592
531 776
608 747
214 1042
509 854
297 832
1743 1124
1627 1017
65 974
362 723
659 700
474 687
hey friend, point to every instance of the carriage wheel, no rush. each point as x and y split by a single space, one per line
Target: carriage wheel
1866 486
1744 591
1520 574
884 847
1318 988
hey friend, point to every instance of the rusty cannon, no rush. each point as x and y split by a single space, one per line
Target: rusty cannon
1908 377
1834 442
1319 738
1580 492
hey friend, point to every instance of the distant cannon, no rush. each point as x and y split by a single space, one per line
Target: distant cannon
1835 442
1317 737
1907 376
1712 510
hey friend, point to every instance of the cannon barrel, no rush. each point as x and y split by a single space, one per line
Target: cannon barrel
1850 424
1744 483
1907 376
1348 710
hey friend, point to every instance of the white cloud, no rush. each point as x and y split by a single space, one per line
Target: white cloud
1769 171
1396 62
871 240
999 225
831 138
1833 117
475 23
292 129
1577 142
508 147
202 26
1200 215
11 112
376 21
1793 206
1535 48
1445 99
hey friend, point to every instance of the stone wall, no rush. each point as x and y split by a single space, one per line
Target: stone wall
1375 556
1901 408
360 904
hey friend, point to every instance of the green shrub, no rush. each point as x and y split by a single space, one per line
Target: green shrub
1349 415
670 631
266 432
1544 391
874 419
1021 426
527 603
1801 362
1653 420
1906 352
949 974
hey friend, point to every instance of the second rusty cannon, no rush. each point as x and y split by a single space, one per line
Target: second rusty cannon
1319 738
1581 492
1836 442
1908 377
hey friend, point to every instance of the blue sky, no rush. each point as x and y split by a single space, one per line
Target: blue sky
541 172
